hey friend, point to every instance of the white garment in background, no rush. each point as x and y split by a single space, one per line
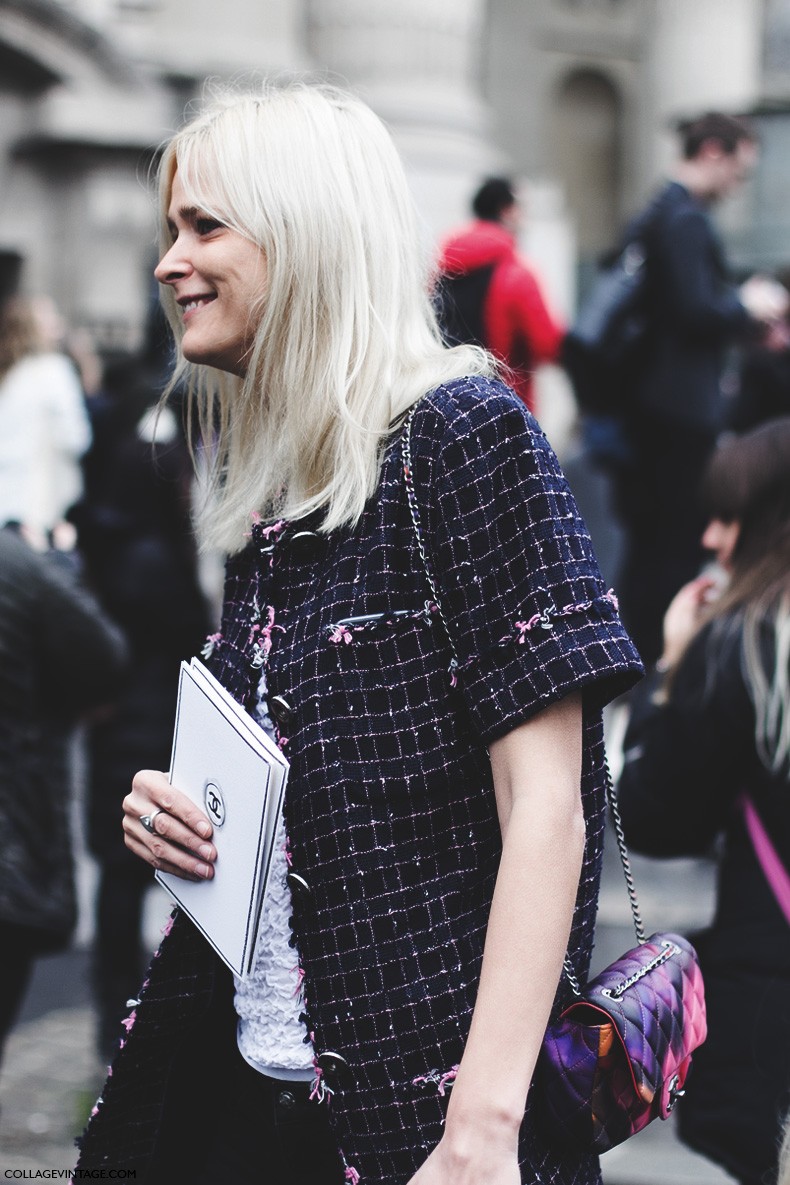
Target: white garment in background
44 431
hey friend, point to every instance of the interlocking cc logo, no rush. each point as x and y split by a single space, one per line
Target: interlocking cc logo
215 803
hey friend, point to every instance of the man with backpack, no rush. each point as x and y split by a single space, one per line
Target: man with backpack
486 293
668 383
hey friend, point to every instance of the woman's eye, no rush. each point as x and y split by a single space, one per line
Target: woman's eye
204 226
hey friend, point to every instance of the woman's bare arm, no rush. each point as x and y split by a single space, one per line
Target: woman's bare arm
537 780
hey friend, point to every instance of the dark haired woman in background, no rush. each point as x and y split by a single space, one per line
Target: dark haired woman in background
708 746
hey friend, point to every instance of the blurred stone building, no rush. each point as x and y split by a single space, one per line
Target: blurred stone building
574 96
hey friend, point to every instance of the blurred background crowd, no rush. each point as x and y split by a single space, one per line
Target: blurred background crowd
537 134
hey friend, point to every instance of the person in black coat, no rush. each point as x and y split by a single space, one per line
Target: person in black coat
674 409
136 540
711 726
59 657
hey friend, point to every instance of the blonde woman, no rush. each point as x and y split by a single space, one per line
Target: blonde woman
707 753
443 821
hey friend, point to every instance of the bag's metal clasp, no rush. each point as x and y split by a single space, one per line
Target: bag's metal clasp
676 1091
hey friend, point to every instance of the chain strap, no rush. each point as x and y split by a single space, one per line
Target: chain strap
415 518
611 795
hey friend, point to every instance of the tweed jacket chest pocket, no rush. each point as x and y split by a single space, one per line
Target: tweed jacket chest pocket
367 640
393 678
398 654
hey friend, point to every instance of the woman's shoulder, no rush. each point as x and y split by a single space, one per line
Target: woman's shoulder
43 365
474 394
43 376
473 405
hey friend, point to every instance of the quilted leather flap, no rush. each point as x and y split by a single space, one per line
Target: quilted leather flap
655 996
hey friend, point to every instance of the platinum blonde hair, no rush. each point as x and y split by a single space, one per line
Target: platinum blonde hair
770 690
345 341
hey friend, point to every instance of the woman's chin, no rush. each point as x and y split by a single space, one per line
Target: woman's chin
193 352
201 357
216 359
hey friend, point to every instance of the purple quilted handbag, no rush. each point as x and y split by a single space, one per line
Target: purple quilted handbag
618 1056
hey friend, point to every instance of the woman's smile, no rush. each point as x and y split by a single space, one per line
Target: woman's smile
190 304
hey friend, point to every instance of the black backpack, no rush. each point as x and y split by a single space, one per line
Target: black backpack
601 350
459 302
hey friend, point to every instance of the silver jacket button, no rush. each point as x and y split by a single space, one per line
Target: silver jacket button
300 890
280 709
335 1067
304 544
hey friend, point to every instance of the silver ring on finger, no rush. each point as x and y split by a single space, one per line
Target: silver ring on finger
148 820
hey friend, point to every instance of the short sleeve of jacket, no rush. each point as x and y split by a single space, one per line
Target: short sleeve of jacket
529 615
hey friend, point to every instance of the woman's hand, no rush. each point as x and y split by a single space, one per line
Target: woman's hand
684 617
179 842
480 1161
490 1167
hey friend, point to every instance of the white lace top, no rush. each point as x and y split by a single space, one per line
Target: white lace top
268 1002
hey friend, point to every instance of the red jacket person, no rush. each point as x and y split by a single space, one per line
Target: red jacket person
488 294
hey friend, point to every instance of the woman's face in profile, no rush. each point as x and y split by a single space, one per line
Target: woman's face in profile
217 277
721 538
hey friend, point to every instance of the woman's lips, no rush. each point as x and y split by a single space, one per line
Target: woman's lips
192 304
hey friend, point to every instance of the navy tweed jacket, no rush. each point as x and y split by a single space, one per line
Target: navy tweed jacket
390 810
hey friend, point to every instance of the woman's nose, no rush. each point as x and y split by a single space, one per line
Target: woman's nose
172 266
710 536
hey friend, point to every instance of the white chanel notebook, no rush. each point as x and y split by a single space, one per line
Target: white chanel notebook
225 762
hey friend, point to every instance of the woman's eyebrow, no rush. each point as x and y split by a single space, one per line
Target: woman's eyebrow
186 214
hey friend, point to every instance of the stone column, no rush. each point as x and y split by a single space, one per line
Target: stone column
416 62
704 55
226 37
